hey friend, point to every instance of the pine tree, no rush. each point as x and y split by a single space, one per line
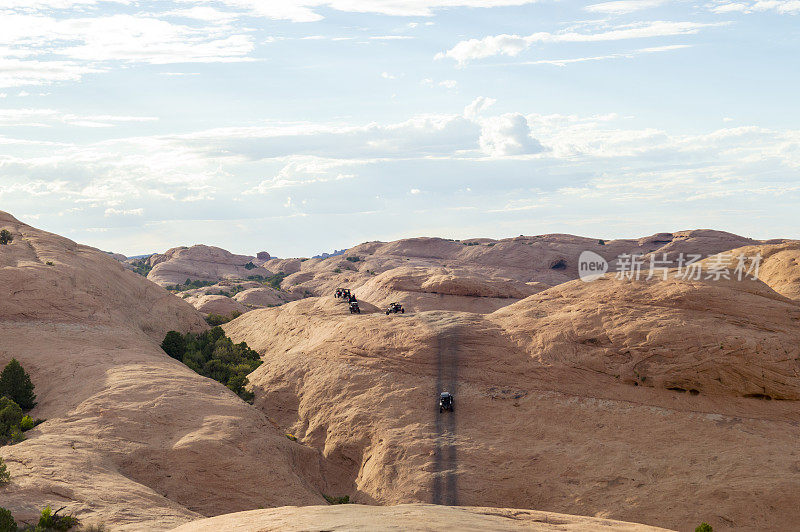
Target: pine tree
16 384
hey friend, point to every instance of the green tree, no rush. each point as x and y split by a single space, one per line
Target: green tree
6 237
5 476
704 527
10 418
7 523
174 345
16 384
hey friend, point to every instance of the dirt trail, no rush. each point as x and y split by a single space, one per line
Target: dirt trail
445 479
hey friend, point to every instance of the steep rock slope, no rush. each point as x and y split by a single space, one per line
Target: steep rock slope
132 437
605 399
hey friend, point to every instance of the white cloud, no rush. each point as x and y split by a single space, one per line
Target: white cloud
512 45
628 55
304 10
39 49
508 134
123 212
622 7
477 106
49 117
784 7
415 191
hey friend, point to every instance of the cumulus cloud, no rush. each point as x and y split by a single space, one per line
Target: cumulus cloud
511 45
508 134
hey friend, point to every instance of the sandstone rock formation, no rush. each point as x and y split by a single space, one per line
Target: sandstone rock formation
263 296
607 399
443 289
200 263
132 437
667 402
215 304
408 517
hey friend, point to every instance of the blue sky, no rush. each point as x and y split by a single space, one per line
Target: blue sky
306 125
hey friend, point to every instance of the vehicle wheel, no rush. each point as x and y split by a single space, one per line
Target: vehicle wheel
440 409
387 312
403 311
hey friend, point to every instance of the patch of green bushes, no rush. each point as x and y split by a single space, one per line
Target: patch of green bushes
353 259
10 419
214 355
7 522
50 520
250 266
272 280
704 527
141 267
337 500
6 237
189 284
5 476
218 319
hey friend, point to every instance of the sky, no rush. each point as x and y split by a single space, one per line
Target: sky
304 126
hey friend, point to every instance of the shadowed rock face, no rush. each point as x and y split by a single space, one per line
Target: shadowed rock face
133 438
412 517
604 398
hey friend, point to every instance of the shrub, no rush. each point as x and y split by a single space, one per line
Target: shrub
214 355
27 423
353 259
337 270
601 242
16 436
337 500
10 418
7 523
704 527
249 266
6 237
49 263
5 477
174 345
17 386
50 520
141 267
217 319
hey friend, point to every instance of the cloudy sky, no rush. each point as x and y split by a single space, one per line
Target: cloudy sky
300 126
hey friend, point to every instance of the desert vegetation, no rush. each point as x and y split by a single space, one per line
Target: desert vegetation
6 237
16 395
214 355
141 267
217 319
16 384
49 520
189 284
272 280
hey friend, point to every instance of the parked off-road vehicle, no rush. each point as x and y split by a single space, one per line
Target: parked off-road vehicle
354 308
